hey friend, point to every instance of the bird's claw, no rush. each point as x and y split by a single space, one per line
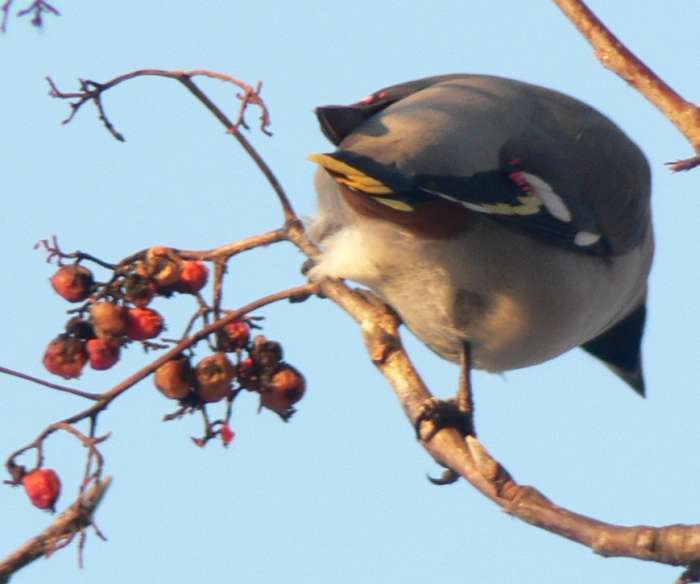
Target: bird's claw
447 478
442 414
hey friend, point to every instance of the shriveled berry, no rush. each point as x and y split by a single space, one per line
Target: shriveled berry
266 352
247 373
143 323
108 319
235 335
193 277
286 387
174 378
163 265
74 282
79 328
139 290
214 375
65 356
43 487
102 353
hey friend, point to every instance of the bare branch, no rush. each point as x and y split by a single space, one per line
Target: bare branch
620 60
79 393
37 9
92 91
677 545
73 520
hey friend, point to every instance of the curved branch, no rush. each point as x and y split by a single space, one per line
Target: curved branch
620 60
72 521
677 545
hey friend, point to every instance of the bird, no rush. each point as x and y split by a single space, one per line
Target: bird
490 213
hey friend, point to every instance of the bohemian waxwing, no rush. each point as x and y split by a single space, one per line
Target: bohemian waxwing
491 212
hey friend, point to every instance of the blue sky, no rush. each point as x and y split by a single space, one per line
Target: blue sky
339 494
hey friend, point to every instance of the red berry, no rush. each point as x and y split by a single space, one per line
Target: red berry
235 335
66 357
214 375
227 435
143 323
103 353
174 378
43 487
286 388
108 319
73 282
193 277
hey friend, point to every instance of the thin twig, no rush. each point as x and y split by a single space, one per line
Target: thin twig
92 91
63 388
37 8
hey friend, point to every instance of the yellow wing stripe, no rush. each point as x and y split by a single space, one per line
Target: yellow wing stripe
351 176
376 190
395 204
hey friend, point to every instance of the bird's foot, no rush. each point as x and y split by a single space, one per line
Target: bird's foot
442 413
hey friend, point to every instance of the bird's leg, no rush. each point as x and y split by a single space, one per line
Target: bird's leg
457 413
464 398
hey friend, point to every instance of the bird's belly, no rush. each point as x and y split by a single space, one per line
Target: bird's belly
514 312
504 332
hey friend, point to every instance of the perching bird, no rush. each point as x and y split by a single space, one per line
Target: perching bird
491 212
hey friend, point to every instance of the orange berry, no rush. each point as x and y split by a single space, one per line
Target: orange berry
102 353
108 319
174 378
43 487
73 282
143 323
214 375
65 356
286 387
235 335
193 277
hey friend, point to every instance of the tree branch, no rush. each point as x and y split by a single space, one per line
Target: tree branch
64 528
677 545
620 60
92 91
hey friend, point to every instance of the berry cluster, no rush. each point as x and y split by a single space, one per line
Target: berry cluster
216 377
116 312
111 315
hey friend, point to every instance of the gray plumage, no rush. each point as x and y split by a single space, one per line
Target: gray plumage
522 287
